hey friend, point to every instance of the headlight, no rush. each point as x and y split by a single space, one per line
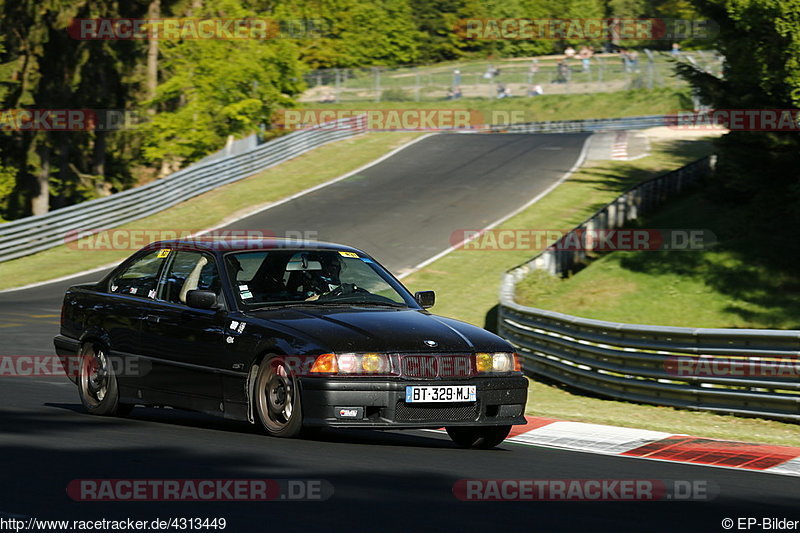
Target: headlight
484 362
352 364
373 362
496 362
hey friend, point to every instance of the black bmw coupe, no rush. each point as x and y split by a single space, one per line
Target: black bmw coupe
286 334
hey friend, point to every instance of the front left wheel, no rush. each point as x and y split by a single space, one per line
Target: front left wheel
277 399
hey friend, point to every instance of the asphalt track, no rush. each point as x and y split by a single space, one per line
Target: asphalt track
403 210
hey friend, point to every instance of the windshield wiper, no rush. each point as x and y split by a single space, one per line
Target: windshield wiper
281 305
367 302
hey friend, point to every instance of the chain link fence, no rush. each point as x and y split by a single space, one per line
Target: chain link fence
507 78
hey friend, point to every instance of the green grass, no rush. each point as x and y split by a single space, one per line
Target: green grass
213 208
547 106
467 282
734 283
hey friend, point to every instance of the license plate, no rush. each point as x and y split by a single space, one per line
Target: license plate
445 393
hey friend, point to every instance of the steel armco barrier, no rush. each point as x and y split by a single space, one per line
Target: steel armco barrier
742 371
591 125
34 234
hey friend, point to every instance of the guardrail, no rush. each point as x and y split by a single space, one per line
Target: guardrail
34 234
589 125
743 371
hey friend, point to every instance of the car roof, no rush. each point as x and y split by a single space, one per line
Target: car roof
214 244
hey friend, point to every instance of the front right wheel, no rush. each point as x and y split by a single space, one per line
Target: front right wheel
482 437
277 399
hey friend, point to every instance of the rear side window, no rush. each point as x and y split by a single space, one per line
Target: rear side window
140 278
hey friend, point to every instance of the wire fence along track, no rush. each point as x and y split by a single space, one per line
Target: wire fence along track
743 371
604 73
35 234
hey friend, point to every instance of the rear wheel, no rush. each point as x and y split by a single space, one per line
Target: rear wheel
97 384
483 437
277 399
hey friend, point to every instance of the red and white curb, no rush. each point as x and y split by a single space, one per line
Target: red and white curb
619 148
642 443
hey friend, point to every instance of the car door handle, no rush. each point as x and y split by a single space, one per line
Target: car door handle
153 319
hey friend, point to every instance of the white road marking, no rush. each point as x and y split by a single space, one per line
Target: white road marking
576 166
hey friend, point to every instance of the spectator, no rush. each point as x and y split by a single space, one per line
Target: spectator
328 97
569 52
586 54
626 59
536 90
633 57
456 78
676 49
532 70
457 93
563 71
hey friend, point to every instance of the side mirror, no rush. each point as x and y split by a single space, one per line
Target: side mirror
201 299
425 299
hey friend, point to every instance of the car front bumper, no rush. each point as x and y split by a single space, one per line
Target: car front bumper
372 403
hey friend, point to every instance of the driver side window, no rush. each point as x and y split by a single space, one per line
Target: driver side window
190 271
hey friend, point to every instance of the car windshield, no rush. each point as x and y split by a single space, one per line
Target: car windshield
312 277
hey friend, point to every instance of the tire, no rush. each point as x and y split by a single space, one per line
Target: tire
480 437
277 399
97 383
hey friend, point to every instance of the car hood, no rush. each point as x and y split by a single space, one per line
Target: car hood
382 330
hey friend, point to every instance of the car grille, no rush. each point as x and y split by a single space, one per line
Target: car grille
436 413
436 366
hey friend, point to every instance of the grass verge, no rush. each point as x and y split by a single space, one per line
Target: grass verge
548 106
733 283
467 283
214 207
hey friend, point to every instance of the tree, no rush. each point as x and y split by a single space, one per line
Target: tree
217 88
760 40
